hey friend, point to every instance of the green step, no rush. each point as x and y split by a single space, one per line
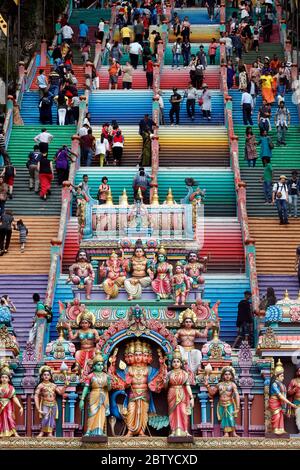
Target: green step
21 140
91 17
282 157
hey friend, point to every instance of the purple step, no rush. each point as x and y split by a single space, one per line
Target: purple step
20 289
279 283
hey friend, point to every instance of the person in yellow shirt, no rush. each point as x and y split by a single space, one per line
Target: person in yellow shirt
126 34
267 87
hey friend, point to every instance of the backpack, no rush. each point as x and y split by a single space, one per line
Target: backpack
9 171
278 193
199 70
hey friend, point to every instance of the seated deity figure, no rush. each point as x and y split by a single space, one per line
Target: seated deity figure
82 273
195 269
186 336
139 268
137 375
113 271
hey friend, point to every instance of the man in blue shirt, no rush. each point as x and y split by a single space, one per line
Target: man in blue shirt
83 32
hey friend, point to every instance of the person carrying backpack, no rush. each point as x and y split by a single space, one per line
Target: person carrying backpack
9 173
33 158
280 195
293 187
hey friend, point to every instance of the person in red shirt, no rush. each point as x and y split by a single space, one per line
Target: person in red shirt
274 64
149 73
117 147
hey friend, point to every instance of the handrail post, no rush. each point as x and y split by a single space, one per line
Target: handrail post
43 53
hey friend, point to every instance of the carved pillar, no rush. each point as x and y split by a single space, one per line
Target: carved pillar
43 53
203 397
28 384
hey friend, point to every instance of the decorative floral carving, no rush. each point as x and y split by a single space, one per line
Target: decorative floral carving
245 355
269 340
29 353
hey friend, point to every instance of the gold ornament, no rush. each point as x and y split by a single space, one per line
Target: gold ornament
138 346
228 369
169 200
89 316
177 354
162 251
139 194
124 198
146 348
155 198
188 313
109 200
5 370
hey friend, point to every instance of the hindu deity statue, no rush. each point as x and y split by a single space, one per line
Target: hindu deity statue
181 284
186 336
81 201
45 400
141 379
139 268
162 270
88 337
277 400
138 216
195 268
229 400
194 196
137 322
7 400
113 271
82 273
180 397
294 394
97 385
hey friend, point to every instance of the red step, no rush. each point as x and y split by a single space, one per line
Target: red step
78 71
180 78
71 244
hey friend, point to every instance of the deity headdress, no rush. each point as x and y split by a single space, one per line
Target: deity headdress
45 369
188 313
129 348
228 369
5 370
177 354
162 251
138 346
89 316
279 368
98 358
113 255
146 348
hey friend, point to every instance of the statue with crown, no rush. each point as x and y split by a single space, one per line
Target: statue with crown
278 404
137 375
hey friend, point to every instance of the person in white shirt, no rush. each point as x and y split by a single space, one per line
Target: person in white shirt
67 33
228 46
83 130
281 196
43 139
161 108
102 148
135 50
101 30
247 107
191 95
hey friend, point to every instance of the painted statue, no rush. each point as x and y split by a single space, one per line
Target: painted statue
138 216
180 397
294 394
186 336
194 196
7 400
114 273
88 337
139 268
137 322
82 273
45 401
81 201
229 400
277 400
141 379
181 285
97 385
162 270
195 269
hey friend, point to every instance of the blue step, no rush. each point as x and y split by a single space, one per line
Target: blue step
238 114
217 113
30 108
127 107
64 293
196 15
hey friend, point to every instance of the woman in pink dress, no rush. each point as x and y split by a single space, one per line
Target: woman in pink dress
162 285
7 398
180 397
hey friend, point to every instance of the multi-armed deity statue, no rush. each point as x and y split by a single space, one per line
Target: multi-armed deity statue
140 273
137 374
114 273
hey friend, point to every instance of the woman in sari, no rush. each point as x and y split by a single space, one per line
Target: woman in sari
267 88
146 150
277 400
180 397
162 284
7 399
96 386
